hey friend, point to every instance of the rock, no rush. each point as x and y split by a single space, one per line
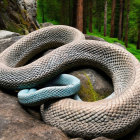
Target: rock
18 16
95 85
135 135
46 24
77 139
5 43
16 123
91 37
30 6
102 138
7 34
7 38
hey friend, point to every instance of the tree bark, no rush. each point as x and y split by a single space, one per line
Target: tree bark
2 25
127 23
85 14
90 16
79 20
138 42
74 14
123 11
63 12
113 18
70 13
120 20
105 18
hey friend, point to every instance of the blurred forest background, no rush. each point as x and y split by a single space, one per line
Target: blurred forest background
113 20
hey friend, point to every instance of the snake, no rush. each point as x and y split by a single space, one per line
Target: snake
112 117
67 85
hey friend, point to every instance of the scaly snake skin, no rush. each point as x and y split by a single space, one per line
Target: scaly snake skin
63 86
113 117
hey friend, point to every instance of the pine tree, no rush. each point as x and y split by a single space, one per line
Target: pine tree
123 17
79 20
138 42
127 23
90 15
120 20
74 13
105 17
85 16
113 18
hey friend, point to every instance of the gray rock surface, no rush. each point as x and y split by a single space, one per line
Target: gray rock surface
90 37
30 6
7 34
7 38
18 16
46 24
94 83
21 123
102 138
77 139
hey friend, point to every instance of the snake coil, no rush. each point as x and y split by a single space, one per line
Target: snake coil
113 117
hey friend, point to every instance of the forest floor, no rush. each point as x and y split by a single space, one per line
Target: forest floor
131 47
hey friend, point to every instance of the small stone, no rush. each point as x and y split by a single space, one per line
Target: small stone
91 37
102 138
6 34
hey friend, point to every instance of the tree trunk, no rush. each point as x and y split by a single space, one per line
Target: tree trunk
138 42
120 20
79 20
70 13
74 15
123 11
113 18
2 25
105 18
126 26
85 14
63 12
90 16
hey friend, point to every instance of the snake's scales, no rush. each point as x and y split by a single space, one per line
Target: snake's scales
64 85
113 117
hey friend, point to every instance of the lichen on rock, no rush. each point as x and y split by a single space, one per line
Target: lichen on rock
17 16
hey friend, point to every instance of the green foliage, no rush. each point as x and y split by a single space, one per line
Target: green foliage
132 48
5 2
48 11
53 13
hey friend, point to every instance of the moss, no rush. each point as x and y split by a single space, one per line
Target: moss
14 18
5 3
15 28
87 92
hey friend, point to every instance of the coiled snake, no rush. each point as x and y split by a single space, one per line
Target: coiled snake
113 117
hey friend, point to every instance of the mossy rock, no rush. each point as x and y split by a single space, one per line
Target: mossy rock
95 85
15 18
